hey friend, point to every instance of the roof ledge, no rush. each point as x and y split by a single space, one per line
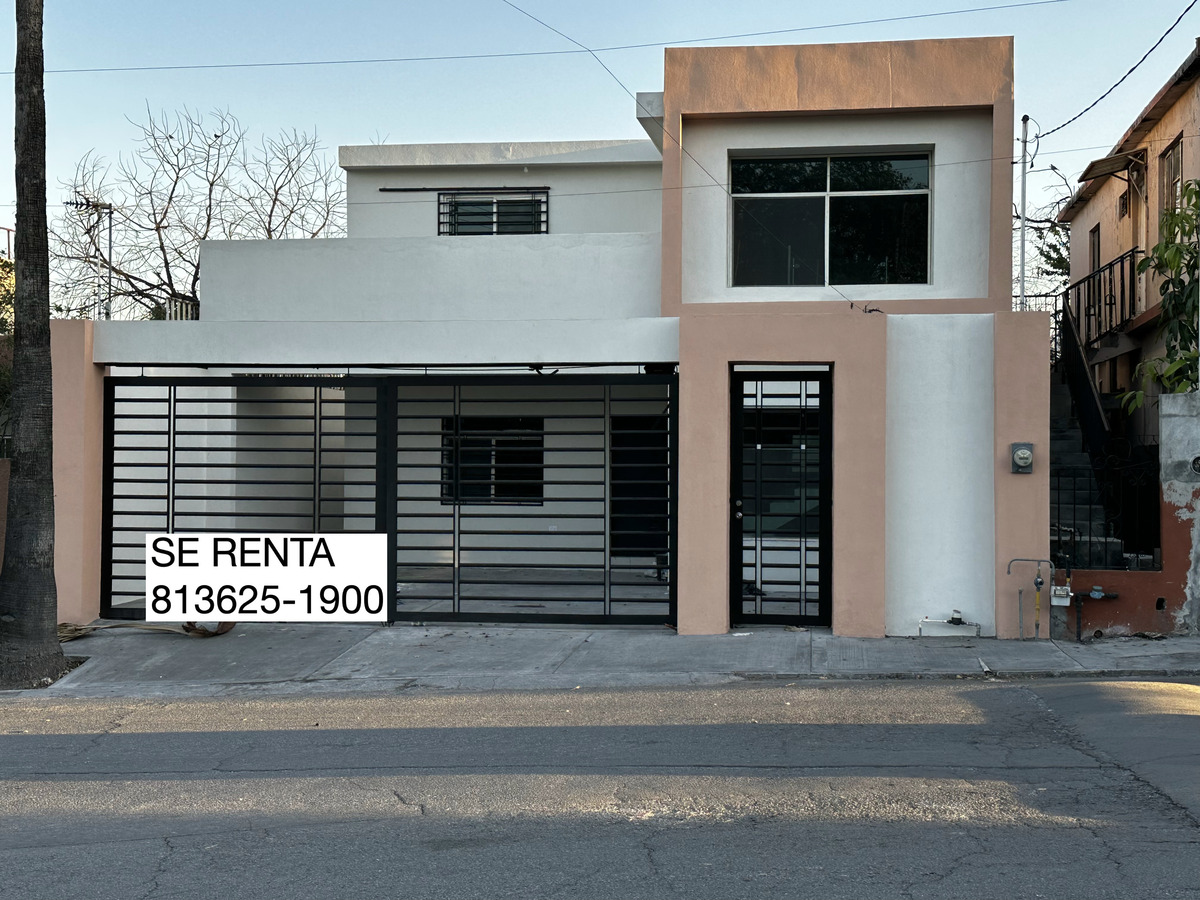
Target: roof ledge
1166 97
530 153
650 115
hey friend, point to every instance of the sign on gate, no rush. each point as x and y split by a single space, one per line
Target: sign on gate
240 577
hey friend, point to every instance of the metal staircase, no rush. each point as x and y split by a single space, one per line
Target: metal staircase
1103 478
1080 531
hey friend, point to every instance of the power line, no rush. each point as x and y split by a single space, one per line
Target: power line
533 53
958 162
1095 102
880 21
715 184
679 143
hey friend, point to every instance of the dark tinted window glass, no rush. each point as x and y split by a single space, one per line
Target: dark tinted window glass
472 217
518 217
879 240
879 173
519 468
474 468
492 459
639 468
777 176
779 241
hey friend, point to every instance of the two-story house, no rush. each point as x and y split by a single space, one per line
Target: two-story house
761 367
1131 542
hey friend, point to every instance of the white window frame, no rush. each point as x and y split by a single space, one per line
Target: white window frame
828 194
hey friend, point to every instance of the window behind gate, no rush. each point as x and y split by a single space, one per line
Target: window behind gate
831 220
493 459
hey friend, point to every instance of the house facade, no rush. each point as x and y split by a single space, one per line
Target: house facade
1110 323
1114 218
759 368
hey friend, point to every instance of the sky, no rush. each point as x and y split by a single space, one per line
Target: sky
1068 52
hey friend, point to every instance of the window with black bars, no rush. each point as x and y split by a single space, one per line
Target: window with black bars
494 212
492 459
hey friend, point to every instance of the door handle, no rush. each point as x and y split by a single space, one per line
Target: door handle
737 515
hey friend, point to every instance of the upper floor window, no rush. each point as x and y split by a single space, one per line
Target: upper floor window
494 212
1170 167
831 220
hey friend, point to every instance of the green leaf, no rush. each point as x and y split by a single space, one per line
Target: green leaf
1174 259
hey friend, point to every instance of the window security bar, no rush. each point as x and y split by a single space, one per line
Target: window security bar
494 212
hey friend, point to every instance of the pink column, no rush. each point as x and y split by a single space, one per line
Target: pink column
78 470
1022 392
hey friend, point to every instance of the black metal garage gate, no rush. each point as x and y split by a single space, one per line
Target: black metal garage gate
531 498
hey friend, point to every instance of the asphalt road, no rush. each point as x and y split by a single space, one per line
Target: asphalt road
963 789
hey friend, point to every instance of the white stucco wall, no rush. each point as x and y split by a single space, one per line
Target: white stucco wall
595 187
960 146
1180 444
306 344
582 199
544 276
940 476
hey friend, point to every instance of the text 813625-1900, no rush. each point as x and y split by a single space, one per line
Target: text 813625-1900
266 577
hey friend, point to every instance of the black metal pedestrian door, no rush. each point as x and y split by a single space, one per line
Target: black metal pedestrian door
780 508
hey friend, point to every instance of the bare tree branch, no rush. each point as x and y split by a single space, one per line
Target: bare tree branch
193 177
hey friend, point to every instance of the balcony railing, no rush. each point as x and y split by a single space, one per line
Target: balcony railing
1106 299
183 309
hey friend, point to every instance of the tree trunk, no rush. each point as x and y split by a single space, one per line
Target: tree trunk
29 649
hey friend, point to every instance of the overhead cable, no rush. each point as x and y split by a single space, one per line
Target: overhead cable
1145 55
531 53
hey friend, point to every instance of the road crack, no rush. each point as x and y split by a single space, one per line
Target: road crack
160 869
1072 737
420 807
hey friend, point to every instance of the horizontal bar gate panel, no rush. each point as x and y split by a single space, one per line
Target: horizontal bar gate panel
504 499
252 454
546 499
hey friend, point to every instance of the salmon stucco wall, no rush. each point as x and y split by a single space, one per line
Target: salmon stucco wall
1146 601
1022 400
78 388
78 470
844 79
711 90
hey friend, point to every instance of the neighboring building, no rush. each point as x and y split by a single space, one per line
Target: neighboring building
1109 515
760 368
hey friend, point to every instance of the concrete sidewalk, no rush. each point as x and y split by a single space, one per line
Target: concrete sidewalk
310 659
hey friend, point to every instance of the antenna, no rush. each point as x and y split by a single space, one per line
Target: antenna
100 209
